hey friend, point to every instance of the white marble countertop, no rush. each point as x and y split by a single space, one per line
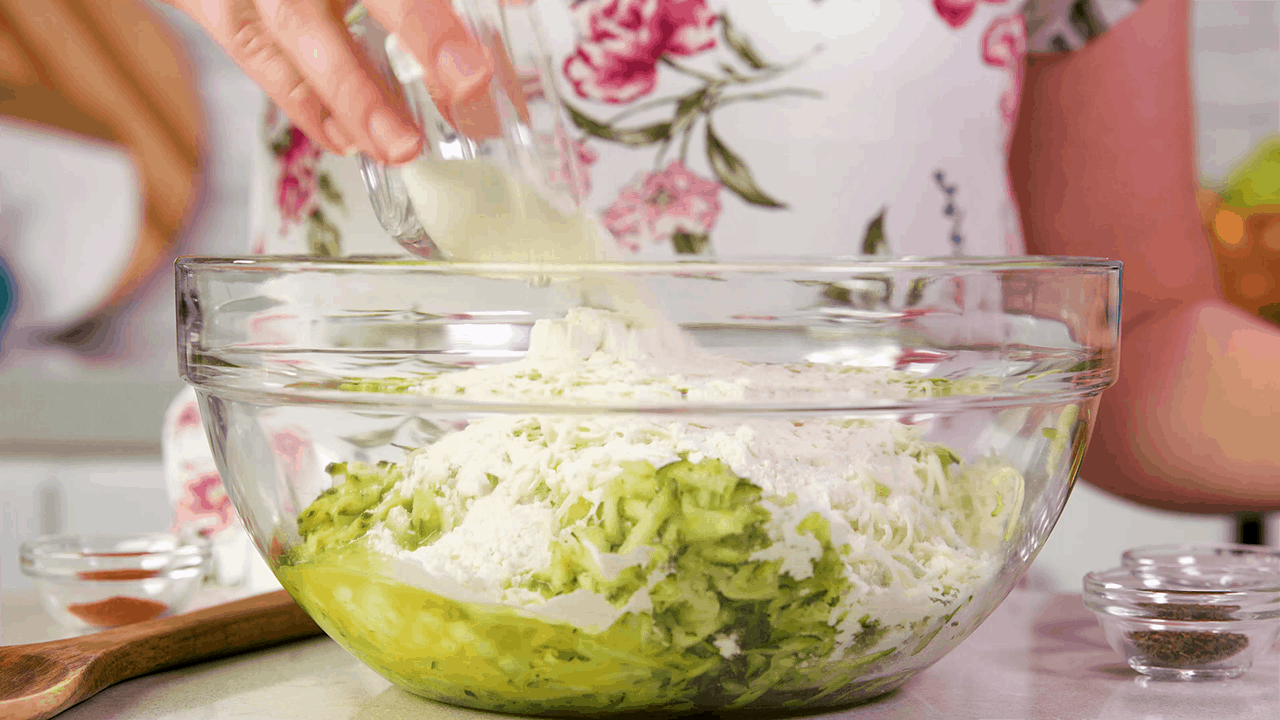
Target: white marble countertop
1038 656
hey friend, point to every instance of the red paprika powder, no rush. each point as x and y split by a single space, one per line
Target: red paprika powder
117 610
125 574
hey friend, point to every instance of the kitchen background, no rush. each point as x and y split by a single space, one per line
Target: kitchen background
80 413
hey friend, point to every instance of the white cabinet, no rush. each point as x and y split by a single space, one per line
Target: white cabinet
1236 76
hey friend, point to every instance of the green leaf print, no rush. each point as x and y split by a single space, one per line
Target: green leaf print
323 238
689 243
636 137
1084 18
740 45
688 109
734 174
873 242
915 292
329 191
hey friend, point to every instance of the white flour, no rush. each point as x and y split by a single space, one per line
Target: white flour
594 356
904 531
478 212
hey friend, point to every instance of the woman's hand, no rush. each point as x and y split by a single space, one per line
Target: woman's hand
299 51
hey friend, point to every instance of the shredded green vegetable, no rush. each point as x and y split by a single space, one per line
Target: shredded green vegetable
617 562
724 625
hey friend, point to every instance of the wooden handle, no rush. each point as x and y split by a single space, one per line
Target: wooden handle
256 622
147 647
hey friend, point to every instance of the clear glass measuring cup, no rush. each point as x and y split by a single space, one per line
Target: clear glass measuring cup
497 179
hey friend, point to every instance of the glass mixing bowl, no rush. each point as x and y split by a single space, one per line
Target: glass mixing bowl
593 489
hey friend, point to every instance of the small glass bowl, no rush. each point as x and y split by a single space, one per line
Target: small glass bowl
1188 621
1209 564
102 581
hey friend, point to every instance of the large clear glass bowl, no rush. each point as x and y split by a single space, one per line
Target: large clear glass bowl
830 494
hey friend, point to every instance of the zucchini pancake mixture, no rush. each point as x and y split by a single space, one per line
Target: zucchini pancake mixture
607 562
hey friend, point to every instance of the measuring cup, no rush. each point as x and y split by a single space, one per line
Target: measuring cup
497 179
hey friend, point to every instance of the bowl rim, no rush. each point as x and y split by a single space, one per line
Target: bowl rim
445 406
1159 555
842 268
763 264
1107 590
48 546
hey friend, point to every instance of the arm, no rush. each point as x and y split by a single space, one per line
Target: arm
1103 164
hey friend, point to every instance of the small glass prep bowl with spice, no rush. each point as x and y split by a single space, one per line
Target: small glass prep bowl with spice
100 581
1188 620
1214 563
603 488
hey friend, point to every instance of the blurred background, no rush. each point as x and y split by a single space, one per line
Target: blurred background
127 138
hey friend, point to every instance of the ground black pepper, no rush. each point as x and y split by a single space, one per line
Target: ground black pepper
1187 648
1189 611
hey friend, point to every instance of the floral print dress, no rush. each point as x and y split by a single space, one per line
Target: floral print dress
729 130
755 127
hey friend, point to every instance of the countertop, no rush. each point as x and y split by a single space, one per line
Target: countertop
1037 656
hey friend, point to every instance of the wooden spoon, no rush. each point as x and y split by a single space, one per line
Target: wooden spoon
39 681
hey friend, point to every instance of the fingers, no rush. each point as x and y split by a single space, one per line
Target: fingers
237 26
457 67
372 118
476 115
299 52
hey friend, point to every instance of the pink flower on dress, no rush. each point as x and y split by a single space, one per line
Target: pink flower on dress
205 503
957 12
623 40
565 175
299 178
910 357
530 83
1004 45
654 207
586 156
293 450
189 417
